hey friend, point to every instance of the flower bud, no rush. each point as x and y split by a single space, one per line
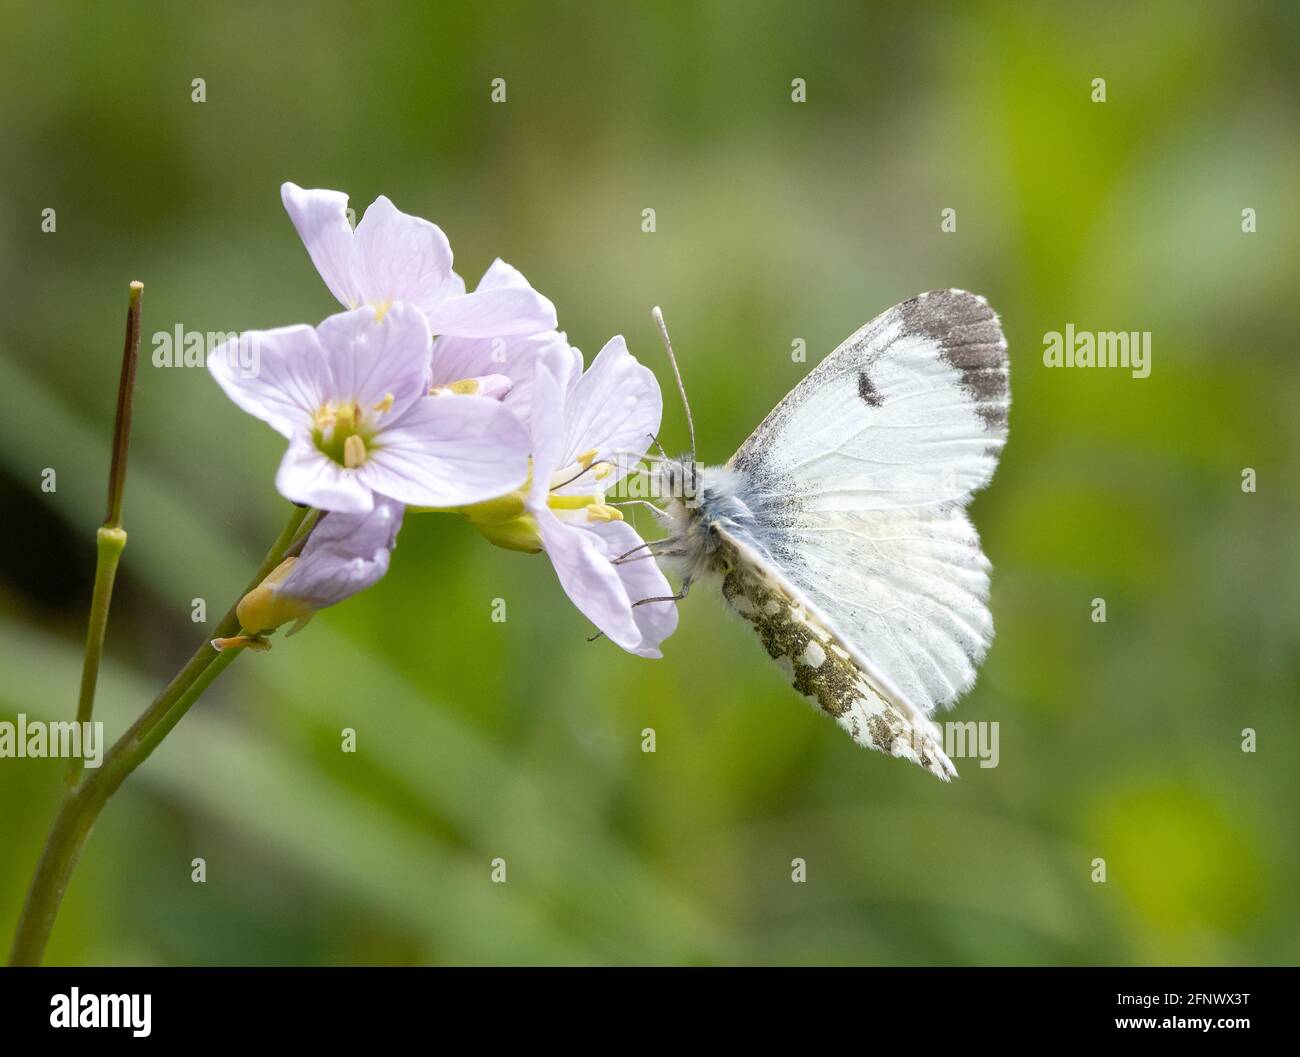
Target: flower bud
345 554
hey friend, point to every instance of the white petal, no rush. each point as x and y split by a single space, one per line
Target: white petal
499 275
642 579
615 408
280 376
546 423
369 359
345 553
449 451
503 305
308 476
497 386
516 358
502 312
322 223
590 581
398 257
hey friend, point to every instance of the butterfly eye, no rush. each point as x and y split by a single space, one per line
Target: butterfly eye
690 482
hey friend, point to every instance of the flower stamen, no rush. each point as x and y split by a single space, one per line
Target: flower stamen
354 451
603 512
345 417
463 387
324 417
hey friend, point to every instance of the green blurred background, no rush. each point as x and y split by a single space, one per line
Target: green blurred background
776 221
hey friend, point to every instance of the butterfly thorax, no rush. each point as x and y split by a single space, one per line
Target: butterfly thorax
700 501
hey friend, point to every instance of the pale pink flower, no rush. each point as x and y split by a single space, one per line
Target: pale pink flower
351 397
345 554
502 367
586 430
392 257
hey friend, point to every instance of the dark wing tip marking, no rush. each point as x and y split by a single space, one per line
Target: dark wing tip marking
970 339
867 391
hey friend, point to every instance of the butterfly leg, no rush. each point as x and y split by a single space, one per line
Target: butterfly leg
648 547
686 587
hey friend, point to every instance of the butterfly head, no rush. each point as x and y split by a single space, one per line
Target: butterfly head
679 479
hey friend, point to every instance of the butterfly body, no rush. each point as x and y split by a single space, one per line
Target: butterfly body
838 531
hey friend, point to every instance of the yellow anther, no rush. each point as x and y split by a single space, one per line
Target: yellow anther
381 310
587 458
603 471
386 404
463 387
354 452
345 417
560 501
324 417
603 512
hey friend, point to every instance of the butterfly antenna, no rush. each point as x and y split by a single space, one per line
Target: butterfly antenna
668 347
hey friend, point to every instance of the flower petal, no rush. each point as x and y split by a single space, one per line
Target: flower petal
504 305
370 359
546 424
615 408
308 476
322 222
345 553
642 579
279 376
398 257
448 451
499 274
592 584
497 386
456 358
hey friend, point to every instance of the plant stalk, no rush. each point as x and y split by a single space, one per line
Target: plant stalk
83 802
110 540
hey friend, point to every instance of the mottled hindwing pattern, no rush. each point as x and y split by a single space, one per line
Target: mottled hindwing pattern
822 671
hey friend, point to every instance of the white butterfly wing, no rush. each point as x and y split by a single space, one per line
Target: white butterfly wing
858 482
802 641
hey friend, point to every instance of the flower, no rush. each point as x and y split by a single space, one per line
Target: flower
351 397
586 430
393 257
345 554
501 366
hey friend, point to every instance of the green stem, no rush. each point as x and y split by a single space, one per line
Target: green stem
125 402
82 803
109 544
81 807
110 541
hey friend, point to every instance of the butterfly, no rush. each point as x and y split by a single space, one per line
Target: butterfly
839 529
